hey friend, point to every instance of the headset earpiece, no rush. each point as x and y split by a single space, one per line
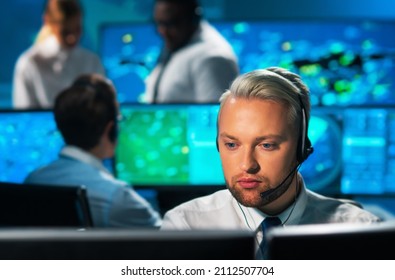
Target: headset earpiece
304 149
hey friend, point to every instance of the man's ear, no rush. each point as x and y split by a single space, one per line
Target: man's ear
111 131
105 147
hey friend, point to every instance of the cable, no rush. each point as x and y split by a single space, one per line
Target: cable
286 220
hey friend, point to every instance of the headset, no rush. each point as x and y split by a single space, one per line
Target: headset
304 148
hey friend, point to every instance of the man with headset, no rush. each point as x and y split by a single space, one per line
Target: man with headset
86 114
196 64
262 141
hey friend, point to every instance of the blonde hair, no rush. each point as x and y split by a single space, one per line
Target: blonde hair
276 84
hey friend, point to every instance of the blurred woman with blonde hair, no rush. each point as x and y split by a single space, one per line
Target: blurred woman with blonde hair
55 59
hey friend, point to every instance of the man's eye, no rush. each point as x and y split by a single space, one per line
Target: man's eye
268 146
231 146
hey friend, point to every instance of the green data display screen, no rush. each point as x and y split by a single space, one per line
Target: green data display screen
168 145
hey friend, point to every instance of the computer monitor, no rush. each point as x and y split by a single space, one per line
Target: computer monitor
124 244
368 151
332 242
344 62
168 145
354 151
129 52
24 205
28 139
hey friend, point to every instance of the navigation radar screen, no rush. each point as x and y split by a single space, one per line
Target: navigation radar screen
343 62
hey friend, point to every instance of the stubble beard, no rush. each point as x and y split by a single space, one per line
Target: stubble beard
248 198
253 198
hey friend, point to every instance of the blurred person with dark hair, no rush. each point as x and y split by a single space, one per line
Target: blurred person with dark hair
86 114
196 63
55 59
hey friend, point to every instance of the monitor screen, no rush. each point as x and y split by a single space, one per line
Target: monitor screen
354 151
342 241
28 140
129 52
368 151
343 62
168 145
124 244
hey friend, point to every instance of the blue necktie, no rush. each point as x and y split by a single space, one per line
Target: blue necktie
267 224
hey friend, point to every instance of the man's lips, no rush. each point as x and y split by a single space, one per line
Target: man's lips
248 183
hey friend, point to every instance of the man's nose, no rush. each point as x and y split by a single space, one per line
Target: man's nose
249 162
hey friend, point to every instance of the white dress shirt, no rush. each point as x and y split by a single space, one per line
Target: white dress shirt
221 211
45 69
198 72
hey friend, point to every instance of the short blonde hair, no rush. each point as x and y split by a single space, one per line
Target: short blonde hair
276 84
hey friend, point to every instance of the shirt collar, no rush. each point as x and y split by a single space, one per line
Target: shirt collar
290 216
197 36
83 156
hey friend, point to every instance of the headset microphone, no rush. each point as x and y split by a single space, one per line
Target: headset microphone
272 194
